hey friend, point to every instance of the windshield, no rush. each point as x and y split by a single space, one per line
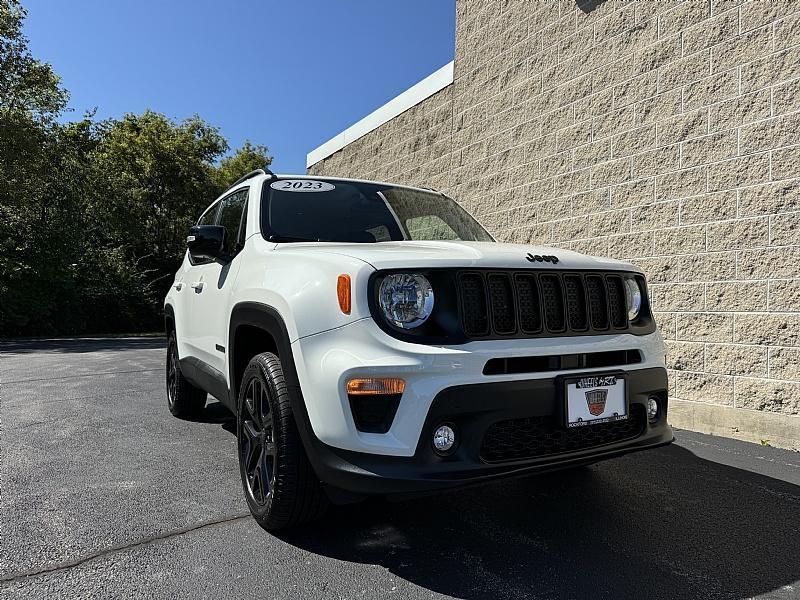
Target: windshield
350 211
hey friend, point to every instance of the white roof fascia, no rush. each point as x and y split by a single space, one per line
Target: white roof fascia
426 88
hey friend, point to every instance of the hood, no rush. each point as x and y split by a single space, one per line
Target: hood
492 255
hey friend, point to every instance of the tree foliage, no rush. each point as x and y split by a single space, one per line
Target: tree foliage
248 158
94 214
26 84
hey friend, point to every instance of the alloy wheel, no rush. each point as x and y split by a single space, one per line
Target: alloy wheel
172 374
257 449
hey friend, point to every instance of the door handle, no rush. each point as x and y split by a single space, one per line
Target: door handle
178 286
197 286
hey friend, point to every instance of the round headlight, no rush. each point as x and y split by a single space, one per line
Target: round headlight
406 299
633 295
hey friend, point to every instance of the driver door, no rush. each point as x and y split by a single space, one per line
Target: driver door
212 288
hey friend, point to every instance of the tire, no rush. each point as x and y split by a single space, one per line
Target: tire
184 400
279 484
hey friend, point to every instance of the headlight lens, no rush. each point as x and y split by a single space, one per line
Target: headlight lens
406 299
633 295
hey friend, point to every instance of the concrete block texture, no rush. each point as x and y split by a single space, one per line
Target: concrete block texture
666 133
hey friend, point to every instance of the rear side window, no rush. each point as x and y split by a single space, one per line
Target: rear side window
230 217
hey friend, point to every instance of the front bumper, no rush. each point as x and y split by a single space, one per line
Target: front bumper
325 362
473 409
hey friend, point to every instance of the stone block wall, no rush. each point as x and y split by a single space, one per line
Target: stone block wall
663 132
414 147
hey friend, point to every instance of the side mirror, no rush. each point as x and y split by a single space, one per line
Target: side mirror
206 242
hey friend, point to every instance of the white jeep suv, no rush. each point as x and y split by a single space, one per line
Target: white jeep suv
373 338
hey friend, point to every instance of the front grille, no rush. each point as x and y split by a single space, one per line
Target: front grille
473 304
528 301
541 304
502 301
598 301
534 437
576 302
553 302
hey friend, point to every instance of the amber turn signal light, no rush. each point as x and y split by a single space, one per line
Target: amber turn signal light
343 293
373 386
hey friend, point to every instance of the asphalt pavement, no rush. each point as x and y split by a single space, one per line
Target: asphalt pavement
104 494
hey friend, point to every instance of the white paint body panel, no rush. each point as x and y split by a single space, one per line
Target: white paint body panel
298 280
492 255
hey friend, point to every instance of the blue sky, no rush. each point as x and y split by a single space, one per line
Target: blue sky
289 74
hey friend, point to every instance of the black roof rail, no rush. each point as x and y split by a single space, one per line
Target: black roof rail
264 171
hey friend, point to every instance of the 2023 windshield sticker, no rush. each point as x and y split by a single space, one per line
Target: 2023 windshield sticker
302 185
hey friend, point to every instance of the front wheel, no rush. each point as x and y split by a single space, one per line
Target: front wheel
279 483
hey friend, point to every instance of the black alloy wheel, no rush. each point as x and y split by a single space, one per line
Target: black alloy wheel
280 485
184 400
172 375
257 447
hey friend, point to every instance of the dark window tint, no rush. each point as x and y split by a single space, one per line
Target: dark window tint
230 217
352 211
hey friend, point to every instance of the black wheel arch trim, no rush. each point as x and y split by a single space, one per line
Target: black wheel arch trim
169 315
267 318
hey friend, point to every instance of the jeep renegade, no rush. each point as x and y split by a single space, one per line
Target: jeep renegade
373 338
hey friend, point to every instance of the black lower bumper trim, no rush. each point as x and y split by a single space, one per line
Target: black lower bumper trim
474 409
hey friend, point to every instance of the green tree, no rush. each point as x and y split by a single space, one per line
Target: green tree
26 84
32 196
247 158
94 215
151 177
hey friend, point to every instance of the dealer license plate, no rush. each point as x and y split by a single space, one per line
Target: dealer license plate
595 399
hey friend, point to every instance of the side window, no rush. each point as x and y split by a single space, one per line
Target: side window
210 216
230 217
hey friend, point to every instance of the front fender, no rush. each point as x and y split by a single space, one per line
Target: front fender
300 285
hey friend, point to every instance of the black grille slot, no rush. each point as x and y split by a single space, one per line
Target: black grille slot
598 305
501 297
616 300
473 305
557 362
576 302
530 315
534 437
553 303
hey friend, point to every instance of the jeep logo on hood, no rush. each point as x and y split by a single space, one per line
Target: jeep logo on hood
541 258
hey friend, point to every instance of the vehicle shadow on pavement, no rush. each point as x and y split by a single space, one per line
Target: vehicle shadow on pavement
215 413
658 524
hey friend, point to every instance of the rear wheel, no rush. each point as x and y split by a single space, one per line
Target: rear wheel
279 483
183 399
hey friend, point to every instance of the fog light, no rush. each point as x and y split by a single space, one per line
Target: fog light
444 439
652 408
